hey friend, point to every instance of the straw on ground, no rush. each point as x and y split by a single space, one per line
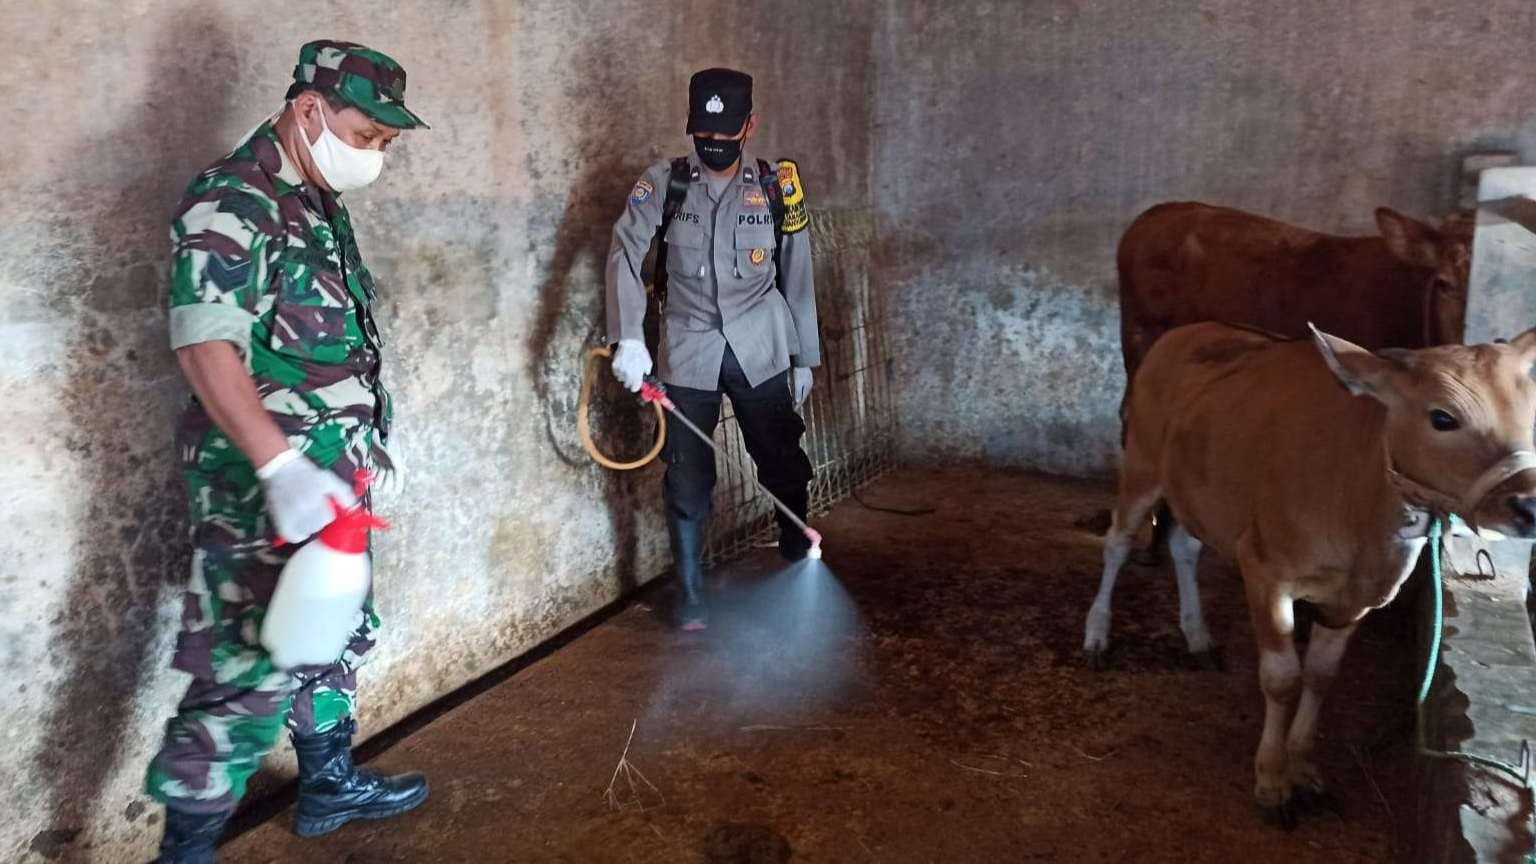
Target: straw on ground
631 796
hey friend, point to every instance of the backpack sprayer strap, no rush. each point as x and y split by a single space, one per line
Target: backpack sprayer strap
678 179
769 180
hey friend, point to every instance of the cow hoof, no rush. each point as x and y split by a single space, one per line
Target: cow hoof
1098 659
1209 660
1309 798
1282 816
1146 557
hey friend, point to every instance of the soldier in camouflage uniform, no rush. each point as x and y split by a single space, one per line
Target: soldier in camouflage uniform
271 316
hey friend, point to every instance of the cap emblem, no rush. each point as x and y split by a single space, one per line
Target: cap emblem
714 105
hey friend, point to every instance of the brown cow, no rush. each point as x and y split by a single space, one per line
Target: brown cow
1186 262
1320 492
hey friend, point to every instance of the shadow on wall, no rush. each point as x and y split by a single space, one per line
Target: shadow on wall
606 155
120 384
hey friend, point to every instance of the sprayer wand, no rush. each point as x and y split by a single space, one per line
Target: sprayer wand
653 391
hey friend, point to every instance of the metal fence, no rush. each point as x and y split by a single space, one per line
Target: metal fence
850 416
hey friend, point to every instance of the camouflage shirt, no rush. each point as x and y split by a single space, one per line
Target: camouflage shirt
271 265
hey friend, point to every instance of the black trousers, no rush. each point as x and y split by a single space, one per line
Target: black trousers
770 427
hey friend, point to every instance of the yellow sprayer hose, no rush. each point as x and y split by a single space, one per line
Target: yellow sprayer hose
585 430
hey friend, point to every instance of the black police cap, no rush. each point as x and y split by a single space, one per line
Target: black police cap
719 100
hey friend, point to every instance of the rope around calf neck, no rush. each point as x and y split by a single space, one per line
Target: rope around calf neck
1520 775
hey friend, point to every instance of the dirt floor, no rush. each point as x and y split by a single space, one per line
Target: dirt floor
923 698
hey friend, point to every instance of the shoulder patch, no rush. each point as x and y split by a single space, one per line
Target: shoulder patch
642 191
789 182
795 218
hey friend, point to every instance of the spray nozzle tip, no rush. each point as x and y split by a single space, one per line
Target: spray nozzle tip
814 553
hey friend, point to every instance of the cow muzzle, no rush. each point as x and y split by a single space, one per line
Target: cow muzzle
1515 515
1523 513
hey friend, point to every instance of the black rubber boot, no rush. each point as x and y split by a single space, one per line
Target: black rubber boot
189 838
793 544
687 563
333 792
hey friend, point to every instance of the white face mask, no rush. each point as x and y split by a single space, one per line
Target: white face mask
343 166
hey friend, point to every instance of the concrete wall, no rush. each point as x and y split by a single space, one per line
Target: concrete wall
1016 141
485 234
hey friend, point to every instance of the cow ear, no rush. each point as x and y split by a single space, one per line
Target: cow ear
1525 343
1409 239
1361 372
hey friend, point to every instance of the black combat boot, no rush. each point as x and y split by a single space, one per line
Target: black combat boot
189 838
687 562
333 792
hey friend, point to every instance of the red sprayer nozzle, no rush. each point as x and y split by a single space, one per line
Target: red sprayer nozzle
348 532
349 524
651 393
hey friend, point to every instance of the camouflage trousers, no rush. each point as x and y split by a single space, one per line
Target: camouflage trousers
238 701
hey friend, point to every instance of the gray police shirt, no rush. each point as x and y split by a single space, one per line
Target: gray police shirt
720 274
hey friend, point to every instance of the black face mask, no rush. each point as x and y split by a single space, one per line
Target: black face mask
717 154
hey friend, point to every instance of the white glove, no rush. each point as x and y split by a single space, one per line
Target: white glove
388 472
800 384
631 363
299 494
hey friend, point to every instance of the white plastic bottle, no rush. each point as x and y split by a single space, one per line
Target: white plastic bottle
315 606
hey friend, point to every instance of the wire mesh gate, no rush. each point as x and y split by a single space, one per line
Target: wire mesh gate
850 417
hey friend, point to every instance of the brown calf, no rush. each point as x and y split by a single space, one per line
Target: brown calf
1320 492
1185 262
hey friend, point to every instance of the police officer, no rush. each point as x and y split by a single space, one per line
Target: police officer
271 318
739 316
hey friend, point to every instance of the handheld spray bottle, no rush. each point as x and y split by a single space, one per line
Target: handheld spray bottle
315 606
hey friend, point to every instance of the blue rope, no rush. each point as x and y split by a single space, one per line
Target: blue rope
1425 750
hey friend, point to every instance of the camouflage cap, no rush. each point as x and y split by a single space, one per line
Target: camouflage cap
362 77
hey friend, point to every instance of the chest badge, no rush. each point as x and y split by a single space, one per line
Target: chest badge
758 256
753 197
